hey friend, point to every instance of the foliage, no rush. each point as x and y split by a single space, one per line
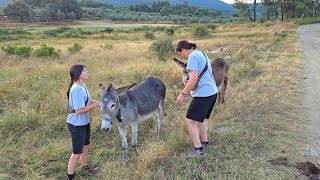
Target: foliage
8 49
23 51
200 30
107 46
149 35
47 51
17 9
75 48
163 48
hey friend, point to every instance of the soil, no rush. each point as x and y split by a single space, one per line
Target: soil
310 98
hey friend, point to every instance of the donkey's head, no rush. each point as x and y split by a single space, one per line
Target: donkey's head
183 66
110 105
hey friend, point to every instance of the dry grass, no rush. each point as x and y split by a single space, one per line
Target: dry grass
257 123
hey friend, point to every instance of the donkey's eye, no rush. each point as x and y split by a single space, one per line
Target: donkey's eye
112 106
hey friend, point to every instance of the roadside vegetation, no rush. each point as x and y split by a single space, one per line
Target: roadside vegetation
258 122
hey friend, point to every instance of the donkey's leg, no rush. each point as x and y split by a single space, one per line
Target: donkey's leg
134 140
224 88
159 118
123 134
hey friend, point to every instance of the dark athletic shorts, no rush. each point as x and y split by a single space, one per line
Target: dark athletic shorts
80 136
200 108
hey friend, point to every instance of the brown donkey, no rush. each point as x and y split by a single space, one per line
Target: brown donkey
220 72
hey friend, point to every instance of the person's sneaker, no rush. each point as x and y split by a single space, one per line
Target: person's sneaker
205 144
90 170
196 153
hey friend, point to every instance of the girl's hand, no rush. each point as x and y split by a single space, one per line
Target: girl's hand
180 99
94 101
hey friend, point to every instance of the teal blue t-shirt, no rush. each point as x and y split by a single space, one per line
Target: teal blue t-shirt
207 84
77 98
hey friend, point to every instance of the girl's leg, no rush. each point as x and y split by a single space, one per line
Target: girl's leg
73 163
193 132
84 155
203 131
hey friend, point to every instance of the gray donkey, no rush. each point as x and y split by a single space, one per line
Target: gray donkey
219 70
131 105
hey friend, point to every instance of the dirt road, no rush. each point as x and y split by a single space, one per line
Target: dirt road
310 41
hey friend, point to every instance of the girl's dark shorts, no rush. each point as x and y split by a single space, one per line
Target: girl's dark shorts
80 136
200 108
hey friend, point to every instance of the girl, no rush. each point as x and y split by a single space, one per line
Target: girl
80 105
204 95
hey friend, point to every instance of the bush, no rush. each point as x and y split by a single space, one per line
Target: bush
107 46
200 31
9 50
163 48
47 51
170 31
23 51
75 48
149 35
107 30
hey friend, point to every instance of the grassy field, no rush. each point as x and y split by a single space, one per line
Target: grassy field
258 122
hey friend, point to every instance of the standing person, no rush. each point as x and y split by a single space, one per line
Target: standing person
203 96
80 105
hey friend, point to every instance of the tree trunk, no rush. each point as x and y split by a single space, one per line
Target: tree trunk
281 5
254 10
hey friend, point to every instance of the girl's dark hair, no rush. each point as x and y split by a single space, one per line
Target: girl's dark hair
185 45
75 72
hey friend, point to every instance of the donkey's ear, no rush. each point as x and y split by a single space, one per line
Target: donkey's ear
124 89
102 89
180 63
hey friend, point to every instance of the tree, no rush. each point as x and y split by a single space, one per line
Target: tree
45 14
68 6
61 16
245 9
18 9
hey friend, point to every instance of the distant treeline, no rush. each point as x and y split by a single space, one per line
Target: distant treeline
62 10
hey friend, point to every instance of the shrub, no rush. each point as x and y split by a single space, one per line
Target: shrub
149 35
107 46
47 51
107 30
200 31
23 51
9 50
170 31
163 48
75 48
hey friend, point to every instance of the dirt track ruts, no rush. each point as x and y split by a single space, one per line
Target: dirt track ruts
310 98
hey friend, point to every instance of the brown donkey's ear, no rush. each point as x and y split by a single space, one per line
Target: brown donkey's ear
180 63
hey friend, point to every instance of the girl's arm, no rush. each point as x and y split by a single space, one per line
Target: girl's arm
85 109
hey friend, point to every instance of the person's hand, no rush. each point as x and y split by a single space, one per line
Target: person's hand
94 101
180 99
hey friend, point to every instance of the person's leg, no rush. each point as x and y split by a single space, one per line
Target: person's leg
203 131
85 151
73 163
84 155
78 140
193 132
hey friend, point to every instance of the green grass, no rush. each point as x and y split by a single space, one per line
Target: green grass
258 122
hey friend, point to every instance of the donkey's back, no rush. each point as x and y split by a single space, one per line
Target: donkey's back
148 95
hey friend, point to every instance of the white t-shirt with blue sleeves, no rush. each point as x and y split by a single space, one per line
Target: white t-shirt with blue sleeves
77 98
207 84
